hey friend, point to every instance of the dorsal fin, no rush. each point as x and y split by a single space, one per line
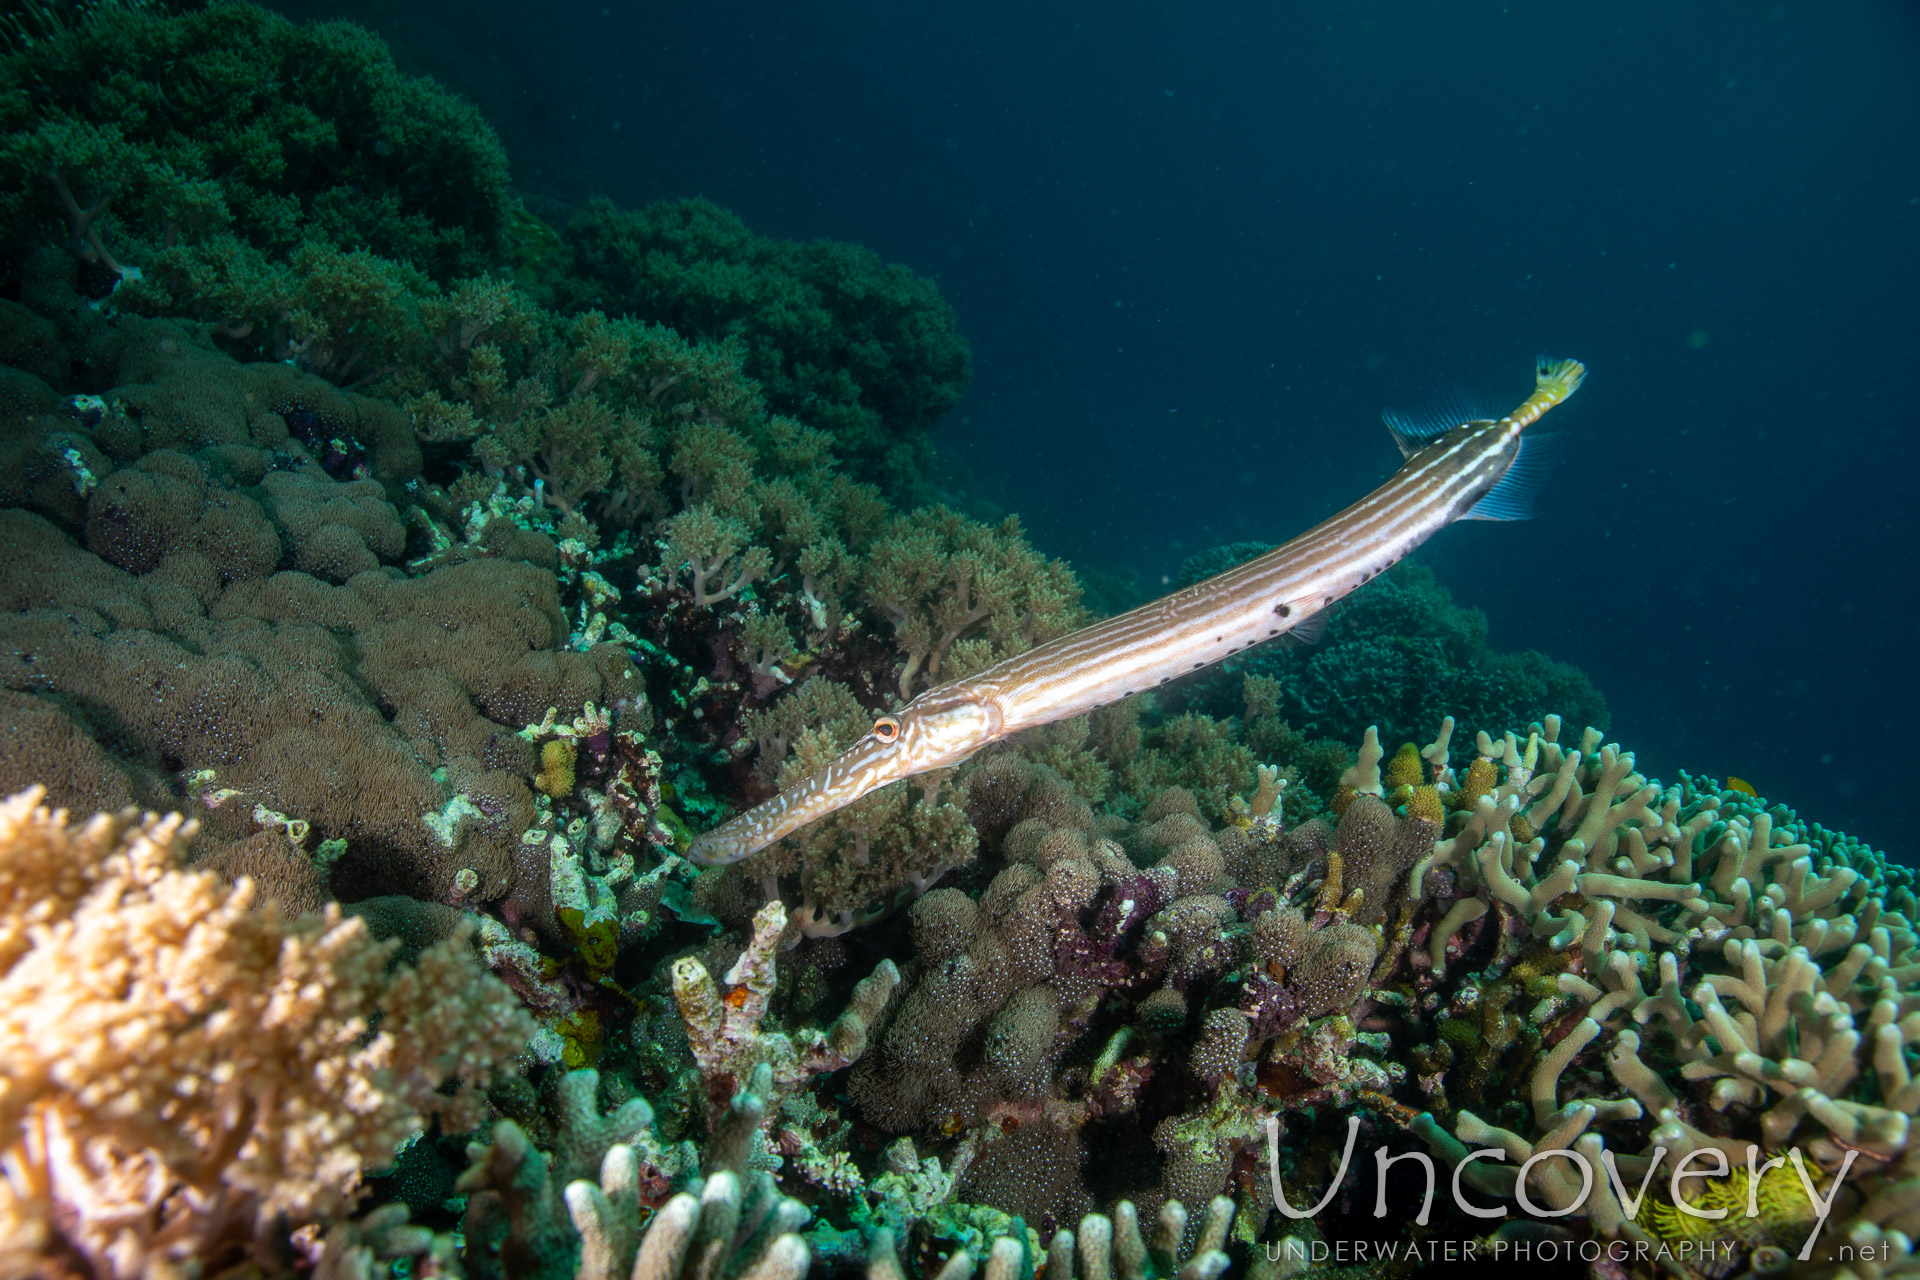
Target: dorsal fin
1512 498
1413 430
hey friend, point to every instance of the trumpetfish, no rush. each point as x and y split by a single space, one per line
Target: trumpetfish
1479 469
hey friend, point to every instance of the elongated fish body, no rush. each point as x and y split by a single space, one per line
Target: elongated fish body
1453 471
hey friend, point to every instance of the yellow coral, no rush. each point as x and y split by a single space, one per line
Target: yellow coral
598 943
583 1036
1785 1217
1425 803
1478 782
556 768
1331 888
1406 769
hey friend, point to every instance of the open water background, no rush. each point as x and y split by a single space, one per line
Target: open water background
1197 247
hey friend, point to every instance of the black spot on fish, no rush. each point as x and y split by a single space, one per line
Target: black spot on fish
1284 610
1328 600
1198 665
1274 632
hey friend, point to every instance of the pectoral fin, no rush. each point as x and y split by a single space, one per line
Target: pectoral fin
1512 498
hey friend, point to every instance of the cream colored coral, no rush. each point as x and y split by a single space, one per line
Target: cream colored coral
175 1064
724 1030
1782 981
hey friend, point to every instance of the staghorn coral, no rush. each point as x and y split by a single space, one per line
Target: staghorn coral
602 1206
1693 972
179 1065
1099 1245
1170 924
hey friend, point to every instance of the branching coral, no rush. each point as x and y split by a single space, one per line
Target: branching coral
962 595
1745 992
172 130
725 1033
712 550
179 1065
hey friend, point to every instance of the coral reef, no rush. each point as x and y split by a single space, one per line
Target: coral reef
441 572
724 1031
1611 922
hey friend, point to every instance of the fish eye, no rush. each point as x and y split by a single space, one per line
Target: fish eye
886 728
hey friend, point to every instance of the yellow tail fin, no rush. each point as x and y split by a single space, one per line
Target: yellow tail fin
1554 381
1560 377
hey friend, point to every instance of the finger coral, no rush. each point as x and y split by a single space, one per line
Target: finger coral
724 1030
1692 967
448 571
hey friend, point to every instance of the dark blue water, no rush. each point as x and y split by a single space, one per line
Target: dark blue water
1196 248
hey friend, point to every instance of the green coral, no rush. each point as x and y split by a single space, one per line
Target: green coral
597 943
178 130
858 865
805 729
712 550
861 349
1197 752
962 595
